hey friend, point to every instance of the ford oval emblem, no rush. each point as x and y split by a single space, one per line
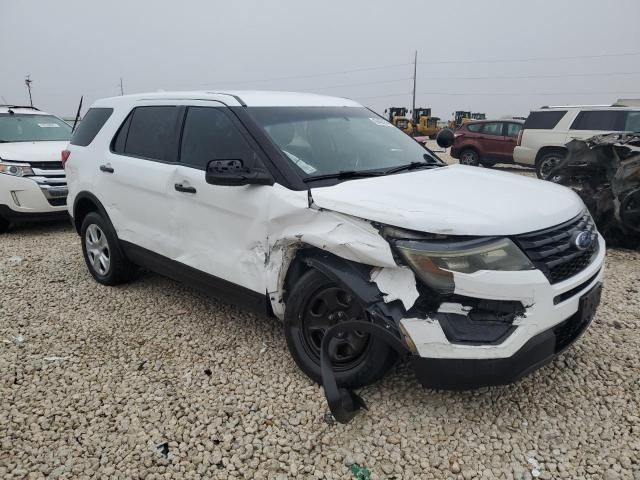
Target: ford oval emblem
582 240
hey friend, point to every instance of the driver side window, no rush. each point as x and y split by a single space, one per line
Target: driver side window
209 134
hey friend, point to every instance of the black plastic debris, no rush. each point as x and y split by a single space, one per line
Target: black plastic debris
344 403
164 449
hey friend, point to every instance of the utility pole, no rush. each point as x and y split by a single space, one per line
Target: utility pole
121 87
28 82
415 65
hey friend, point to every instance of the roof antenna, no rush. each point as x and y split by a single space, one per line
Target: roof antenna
28 82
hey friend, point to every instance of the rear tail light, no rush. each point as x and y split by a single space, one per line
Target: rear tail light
519 141
64 156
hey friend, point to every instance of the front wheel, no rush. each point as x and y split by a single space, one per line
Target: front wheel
102 253
4 225
469 157
316 304
546 163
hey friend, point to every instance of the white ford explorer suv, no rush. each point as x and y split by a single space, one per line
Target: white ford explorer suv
541 142
32 181
318 211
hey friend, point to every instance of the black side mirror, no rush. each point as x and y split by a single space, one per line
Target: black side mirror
445 138
234 173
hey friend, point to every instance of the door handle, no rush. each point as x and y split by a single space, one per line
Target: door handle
106 168
181 188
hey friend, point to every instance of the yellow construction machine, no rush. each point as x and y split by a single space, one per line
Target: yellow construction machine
398 117
424 124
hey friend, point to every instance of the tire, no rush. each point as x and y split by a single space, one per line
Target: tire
102 252
359 359
546 162
4 225
469 157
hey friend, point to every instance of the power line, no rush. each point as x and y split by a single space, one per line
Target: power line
530 59
491 77
440 62
518 94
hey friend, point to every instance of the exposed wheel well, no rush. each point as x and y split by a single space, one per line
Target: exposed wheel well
545 150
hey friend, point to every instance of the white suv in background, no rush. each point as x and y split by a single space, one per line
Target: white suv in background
546 131
32 181
363 242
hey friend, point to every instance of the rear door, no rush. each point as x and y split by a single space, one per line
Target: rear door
492 139
136 176
511 131
223 229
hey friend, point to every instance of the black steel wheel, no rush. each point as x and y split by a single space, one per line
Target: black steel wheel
318 303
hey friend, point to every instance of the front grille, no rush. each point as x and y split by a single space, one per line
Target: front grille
552 250
51 178
46 165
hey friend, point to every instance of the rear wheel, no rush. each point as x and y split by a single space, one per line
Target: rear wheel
316 304
102 252
548 162
469 157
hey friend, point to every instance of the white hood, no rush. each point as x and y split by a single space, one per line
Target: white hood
456 200
32 151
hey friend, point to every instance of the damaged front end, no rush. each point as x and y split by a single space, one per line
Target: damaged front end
605 172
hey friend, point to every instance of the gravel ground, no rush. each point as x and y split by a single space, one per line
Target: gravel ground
152 380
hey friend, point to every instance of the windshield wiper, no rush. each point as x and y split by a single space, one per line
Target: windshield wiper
344 174
411 166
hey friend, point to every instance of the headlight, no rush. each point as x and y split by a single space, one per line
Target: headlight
16 169
433 262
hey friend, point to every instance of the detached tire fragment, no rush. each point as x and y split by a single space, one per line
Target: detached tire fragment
344 403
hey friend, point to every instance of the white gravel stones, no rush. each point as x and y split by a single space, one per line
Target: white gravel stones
152 380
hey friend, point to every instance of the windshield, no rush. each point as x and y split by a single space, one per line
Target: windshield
329 140
32 128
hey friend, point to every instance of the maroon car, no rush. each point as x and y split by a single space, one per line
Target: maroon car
486 142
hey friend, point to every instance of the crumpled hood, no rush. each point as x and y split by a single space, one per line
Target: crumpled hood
32 151
456 200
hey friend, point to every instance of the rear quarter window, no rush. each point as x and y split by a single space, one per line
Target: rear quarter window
544 120
605 120
90 125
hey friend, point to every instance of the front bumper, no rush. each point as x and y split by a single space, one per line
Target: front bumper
31 196
457 374
442 363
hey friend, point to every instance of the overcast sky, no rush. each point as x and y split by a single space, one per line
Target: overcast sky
501 57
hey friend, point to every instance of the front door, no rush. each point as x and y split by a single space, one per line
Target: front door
223 229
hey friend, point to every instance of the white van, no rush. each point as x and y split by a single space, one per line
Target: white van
320 212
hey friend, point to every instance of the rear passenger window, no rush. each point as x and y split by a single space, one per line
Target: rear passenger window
210 135
474 127
494 128
632 123
513 129
608 120
90 126
544 120
149 132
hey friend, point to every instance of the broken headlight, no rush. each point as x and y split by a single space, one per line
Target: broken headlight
434 262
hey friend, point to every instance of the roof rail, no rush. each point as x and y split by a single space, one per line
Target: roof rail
19 106
577 106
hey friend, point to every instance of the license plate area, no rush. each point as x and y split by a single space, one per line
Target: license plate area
571 329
